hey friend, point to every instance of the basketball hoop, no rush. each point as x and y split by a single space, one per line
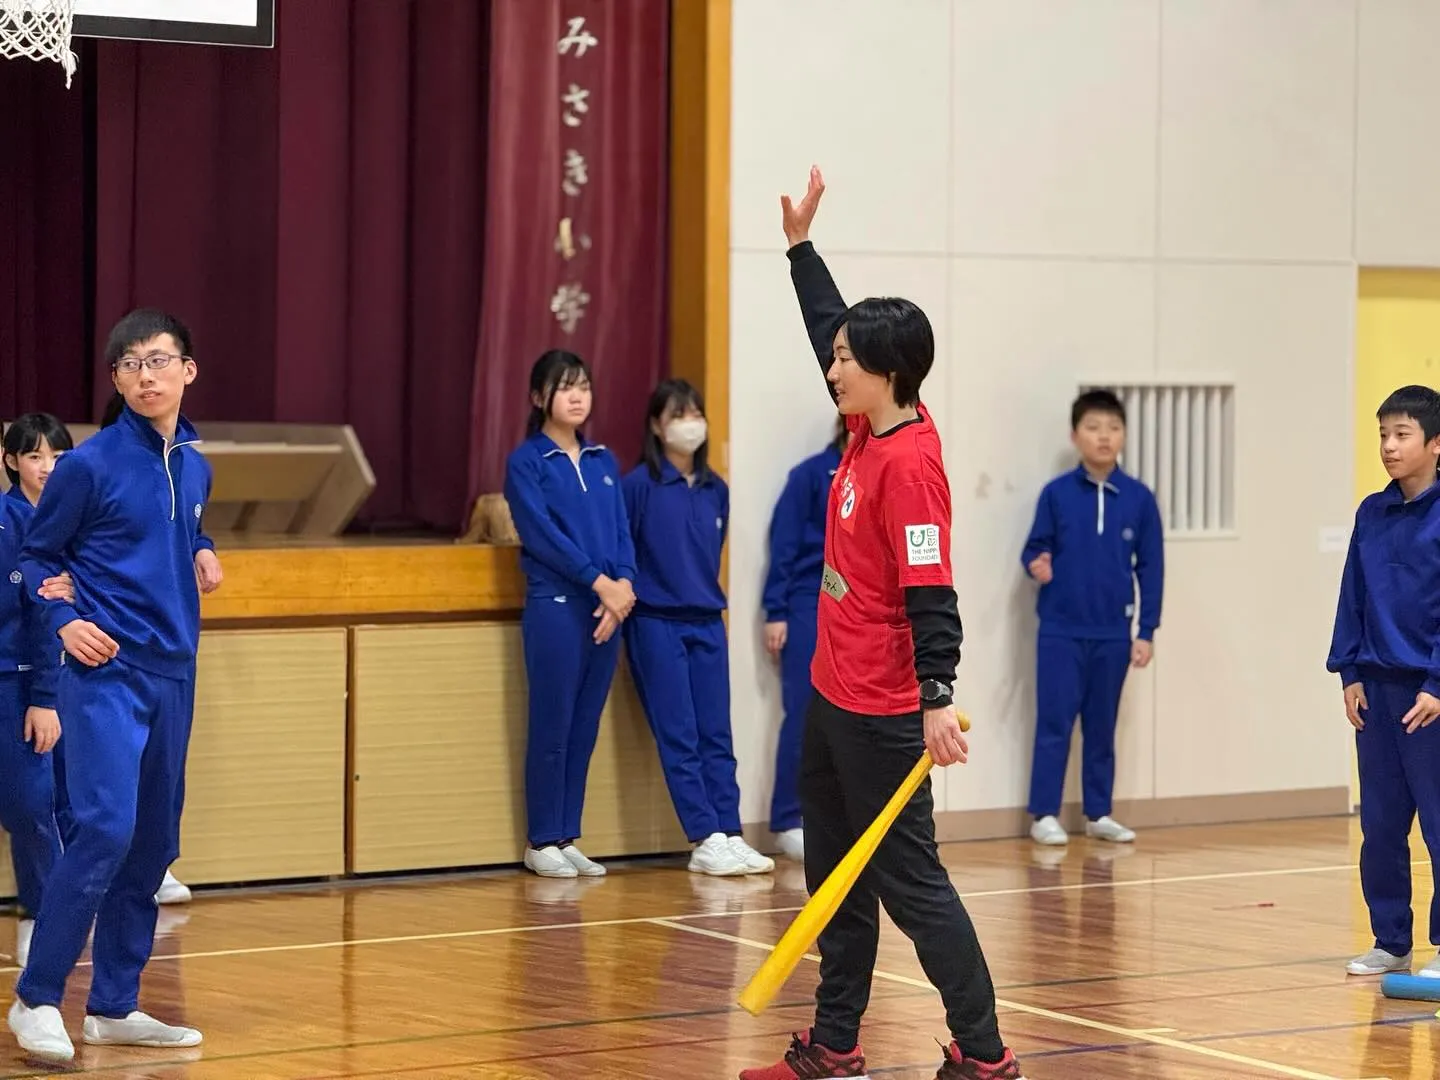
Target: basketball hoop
38 30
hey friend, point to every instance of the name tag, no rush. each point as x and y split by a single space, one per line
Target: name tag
832 584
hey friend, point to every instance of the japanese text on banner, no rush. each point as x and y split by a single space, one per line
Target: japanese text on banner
570 298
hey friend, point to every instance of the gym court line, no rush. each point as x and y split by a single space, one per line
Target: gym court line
1128 1034
899 993
454 935
677 922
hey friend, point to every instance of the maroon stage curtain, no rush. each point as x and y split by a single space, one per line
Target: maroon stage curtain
185 211
315 213
44 354
576 224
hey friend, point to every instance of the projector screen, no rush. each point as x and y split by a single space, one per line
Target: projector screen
199 22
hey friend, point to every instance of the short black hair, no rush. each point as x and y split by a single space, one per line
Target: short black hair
1419 403
23 435
1096 401
556 370
141 325
891 336
681 394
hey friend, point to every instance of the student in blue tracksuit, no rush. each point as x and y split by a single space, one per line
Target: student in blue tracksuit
122 512
1097 532
29 666
1386 650
679 513
579 562
207 569
791 600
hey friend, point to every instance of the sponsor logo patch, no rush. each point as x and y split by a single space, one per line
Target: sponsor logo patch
922 545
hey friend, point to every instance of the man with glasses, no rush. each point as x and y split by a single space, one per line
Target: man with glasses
123 514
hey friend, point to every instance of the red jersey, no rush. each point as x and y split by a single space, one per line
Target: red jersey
887 529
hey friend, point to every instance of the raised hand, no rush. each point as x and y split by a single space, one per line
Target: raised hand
796 219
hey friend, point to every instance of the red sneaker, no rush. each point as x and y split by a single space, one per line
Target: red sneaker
959 1067
807 1061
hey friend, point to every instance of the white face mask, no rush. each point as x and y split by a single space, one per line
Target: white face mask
686 436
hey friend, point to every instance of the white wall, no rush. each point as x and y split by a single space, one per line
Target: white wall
1074 191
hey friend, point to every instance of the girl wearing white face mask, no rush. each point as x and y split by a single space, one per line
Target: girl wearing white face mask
675 642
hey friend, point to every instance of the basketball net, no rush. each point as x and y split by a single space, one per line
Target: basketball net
38 30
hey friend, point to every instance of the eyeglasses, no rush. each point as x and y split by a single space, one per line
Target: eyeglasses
129 365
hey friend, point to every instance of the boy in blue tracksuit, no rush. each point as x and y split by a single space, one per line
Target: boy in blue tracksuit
579 562
1097 531
791 600
207 569
1386 650
122 513
679 513
29 665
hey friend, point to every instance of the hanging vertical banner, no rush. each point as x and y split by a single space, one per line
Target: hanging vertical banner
576 215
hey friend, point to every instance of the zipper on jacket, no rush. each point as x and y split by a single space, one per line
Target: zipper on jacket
169 478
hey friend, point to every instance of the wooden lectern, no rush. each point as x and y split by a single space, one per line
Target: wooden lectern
292 480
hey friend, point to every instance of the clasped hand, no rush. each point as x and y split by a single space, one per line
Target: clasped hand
617 599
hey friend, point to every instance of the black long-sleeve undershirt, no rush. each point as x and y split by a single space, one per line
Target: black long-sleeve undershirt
821 305
936 631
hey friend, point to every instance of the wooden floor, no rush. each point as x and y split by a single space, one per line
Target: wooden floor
1200 953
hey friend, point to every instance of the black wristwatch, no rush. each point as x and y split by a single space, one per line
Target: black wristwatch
935 694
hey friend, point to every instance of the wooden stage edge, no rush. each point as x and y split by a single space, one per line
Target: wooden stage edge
282 582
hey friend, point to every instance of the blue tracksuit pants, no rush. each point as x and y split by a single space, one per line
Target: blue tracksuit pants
682 676
27 797
796 691
1081 677
569 677
126 736
1399 778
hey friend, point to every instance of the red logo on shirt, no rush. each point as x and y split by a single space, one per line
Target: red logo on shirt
850 494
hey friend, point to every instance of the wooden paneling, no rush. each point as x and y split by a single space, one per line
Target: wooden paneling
438 722
265 781
360 580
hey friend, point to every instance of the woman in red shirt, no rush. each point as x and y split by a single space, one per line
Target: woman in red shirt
888 645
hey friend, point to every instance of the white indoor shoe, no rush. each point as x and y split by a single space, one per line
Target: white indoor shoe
755 863
1430 970
583 866
716 857
792 844
172 891
1048 831
548 861
41 1032
138 1029
1378 962
1108 829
